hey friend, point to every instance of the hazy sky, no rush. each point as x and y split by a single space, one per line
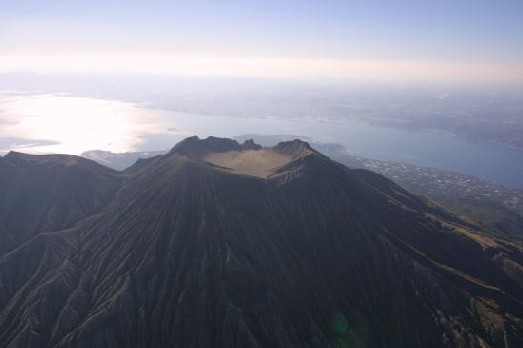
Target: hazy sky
389 39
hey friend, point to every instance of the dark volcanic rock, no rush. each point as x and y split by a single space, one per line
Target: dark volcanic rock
189 254
195 147
249 144
294 148
49 193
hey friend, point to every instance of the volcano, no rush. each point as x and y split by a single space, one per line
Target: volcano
221 244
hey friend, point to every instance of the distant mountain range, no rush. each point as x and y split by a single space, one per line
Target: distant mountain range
221 244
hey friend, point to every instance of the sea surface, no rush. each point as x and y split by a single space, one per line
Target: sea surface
69 124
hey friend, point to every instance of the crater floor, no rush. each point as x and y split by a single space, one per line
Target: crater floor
260 163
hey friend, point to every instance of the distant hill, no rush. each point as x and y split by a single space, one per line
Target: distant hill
118 161
49 193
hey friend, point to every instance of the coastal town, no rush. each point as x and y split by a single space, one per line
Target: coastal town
441 184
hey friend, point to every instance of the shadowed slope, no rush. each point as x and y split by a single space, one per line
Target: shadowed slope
315 255
47 193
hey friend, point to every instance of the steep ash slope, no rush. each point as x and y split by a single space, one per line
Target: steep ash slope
48 193
194 254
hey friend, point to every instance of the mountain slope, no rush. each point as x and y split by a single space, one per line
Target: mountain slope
47 193
192 252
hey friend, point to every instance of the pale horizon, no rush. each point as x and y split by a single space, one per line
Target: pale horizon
473 41
265 67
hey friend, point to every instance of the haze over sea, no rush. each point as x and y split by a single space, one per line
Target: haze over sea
47 123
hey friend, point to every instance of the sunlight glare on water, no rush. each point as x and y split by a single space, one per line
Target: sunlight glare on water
75 124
